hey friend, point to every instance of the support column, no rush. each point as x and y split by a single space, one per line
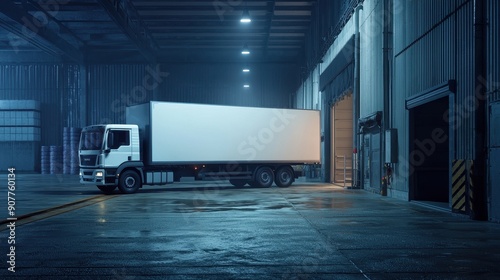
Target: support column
356 183
83 96
478 190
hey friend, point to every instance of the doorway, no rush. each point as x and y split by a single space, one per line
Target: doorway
429 153
371 161
341 157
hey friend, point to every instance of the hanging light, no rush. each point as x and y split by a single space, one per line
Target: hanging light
245 17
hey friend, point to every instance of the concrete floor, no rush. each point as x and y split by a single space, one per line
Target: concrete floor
200 230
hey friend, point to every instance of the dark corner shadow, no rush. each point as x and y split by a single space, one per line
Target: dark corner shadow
151 189
69 192
161 189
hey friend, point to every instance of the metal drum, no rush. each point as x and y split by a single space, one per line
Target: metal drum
45 160
56 159
71 139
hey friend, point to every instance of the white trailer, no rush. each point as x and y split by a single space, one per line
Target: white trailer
164 141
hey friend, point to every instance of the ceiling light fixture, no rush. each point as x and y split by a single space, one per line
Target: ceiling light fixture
246 70
245 17
245 50
246 85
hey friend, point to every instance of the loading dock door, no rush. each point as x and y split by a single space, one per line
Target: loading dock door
429 152
342 141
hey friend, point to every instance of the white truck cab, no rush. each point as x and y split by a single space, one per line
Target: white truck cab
105 150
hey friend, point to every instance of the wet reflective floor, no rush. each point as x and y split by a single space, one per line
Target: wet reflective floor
200 230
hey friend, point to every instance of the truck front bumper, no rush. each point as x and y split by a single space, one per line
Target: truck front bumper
97 177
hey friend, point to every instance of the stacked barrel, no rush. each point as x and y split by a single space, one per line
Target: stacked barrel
51 160
71 138
45 160
62 159
56 159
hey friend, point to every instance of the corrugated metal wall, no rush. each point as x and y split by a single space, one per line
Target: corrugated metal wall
56 87
493 47
432 44
371 74
271 85
307 96
113 87
464 111
415 18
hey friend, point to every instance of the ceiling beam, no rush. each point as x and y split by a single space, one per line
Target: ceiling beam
225 44
29 28
126 17
271 6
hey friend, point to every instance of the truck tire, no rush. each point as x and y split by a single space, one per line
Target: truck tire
107 189
129 182
284 176
263 177
239 183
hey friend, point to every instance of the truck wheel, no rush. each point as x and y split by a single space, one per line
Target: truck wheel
107 189
129 182
238 182
264 177
284 176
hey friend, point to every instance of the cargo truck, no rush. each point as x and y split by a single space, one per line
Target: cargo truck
164 141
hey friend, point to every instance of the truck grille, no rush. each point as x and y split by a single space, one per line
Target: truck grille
88 160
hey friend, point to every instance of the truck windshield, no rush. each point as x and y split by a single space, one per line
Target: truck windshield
92 139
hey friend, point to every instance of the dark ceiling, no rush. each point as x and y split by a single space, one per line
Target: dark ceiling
155 30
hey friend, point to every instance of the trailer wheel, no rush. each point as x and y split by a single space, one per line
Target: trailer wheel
263 177
238 182
107 189
284 177
129 182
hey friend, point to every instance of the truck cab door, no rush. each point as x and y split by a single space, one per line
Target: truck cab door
118 149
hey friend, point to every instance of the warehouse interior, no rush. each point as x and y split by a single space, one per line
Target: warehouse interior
405 94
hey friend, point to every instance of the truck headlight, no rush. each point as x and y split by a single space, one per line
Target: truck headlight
98 174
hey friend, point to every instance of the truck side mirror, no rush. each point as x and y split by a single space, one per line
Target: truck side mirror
106 151
111 141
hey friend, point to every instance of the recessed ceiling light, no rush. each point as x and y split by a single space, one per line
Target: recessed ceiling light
245 17
245 50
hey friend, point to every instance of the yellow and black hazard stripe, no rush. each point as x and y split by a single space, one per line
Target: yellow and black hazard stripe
470 168
458 186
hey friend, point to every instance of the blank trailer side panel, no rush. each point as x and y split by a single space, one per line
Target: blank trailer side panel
182 133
